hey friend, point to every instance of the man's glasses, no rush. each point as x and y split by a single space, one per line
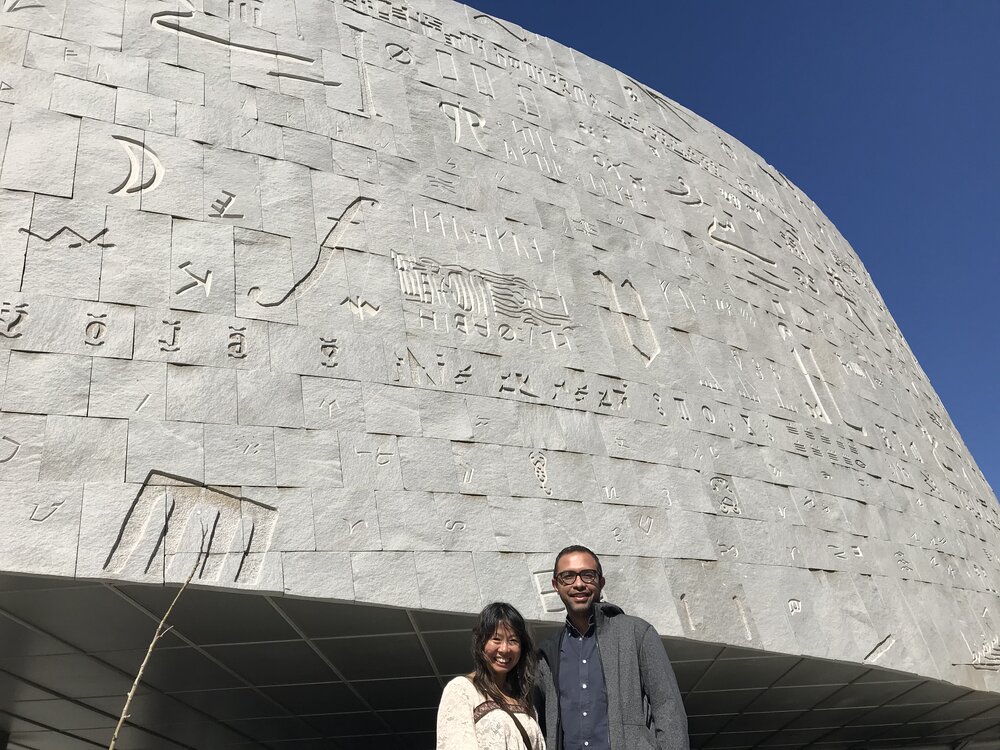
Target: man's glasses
567 577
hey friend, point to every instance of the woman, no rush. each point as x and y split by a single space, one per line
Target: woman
491 709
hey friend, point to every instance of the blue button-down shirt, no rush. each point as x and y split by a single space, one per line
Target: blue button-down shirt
583 697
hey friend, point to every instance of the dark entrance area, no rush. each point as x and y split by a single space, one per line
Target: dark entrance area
250 671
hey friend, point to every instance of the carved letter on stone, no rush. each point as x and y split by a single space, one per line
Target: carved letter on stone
323 256
632 313
233 532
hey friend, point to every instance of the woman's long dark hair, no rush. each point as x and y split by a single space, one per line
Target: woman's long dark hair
521 679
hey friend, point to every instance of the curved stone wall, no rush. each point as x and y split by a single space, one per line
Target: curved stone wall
387 302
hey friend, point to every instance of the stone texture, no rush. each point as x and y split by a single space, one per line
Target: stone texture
47 384
42 526
419 330
84 449
169 447
41 152
239 455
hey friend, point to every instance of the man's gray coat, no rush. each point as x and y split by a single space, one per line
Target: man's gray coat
644 704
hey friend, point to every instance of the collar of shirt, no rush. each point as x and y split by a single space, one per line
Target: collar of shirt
571 628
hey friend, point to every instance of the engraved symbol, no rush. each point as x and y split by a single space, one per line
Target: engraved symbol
134 182
322 262
469 472
42 511
743 616
484 85
296 77
520 384
237 346
663 102
203 281
417 369
491 19
143 402
250 446
474 296
454 525
247 12
729 502
610 492
616 532
685 194
329 348
96 330
682 409
646 524
880 649
172 344
330 404
526 101
11 452
11 317
4 86
437 180
221 206
167 20
358 305
473 120
367 101
903 563
240 529
380 458
687 612
728 549
538 461
351 526
10 6
399 53
80 239
463 375
633 316
794 606
724 235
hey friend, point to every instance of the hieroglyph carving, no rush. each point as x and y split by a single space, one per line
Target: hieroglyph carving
471 297
625 300
145 170
168 521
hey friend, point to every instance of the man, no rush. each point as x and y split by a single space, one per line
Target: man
604 681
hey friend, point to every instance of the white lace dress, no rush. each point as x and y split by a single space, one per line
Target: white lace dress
468 720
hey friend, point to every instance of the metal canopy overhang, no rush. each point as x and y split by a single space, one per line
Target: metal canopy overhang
242 670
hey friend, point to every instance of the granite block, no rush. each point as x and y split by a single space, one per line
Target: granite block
47 384
42 527
128 389
41 152
201 394
82 449
170 448
238 455
346 519
307 458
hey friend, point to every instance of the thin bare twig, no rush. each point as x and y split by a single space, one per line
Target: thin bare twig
161 630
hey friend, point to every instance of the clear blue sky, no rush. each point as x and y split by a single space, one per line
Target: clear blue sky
885 112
